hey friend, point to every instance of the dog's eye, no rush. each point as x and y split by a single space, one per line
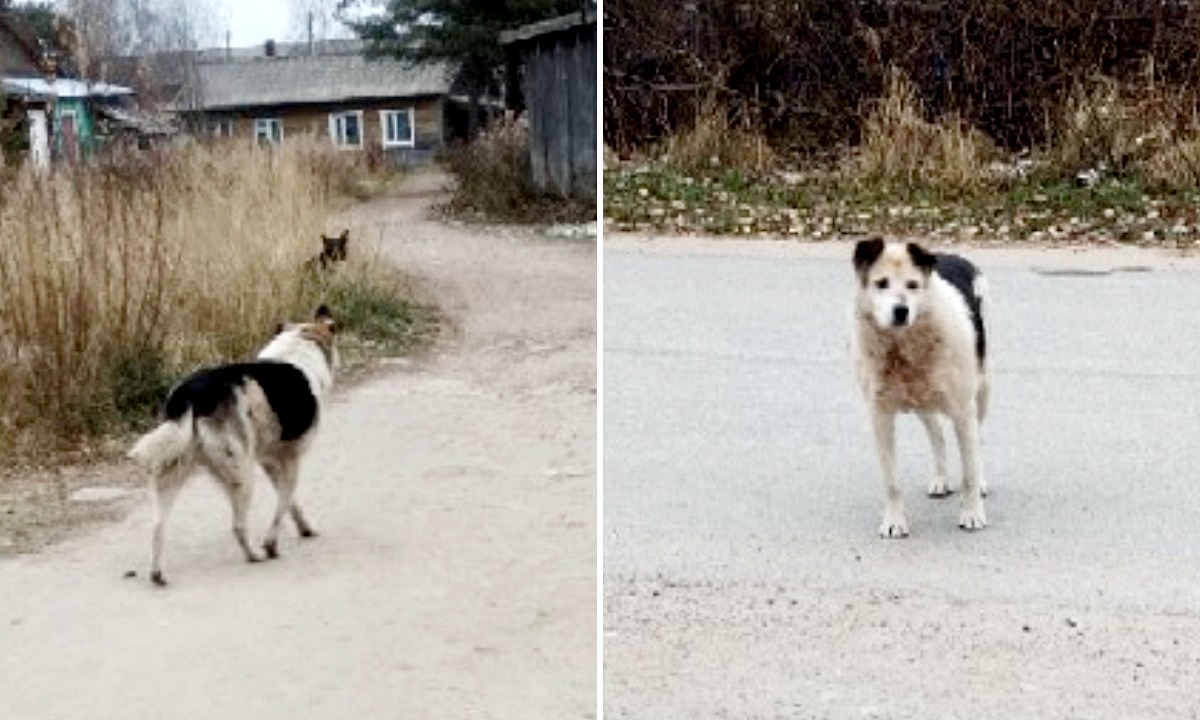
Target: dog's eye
882 283
913 285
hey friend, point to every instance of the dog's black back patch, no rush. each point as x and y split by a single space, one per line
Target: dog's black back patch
960 273
286 387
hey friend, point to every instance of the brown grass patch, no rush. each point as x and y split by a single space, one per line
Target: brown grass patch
114 277
900 147
714 144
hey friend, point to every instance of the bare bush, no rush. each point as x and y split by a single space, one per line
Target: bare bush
800 72
495 180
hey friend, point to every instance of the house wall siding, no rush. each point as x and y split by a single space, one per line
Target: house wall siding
428 121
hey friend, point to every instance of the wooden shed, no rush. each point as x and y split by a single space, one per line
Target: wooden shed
557 59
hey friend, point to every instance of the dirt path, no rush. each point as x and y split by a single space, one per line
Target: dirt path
455 574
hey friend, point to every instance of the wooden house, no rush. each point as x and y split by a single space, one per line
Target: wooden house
405 111
56 117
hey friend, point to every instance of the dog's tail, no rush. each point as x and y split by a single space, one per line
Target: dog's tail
164 445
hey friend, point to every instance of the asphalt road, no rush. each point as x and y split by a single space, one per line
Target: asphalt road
743 574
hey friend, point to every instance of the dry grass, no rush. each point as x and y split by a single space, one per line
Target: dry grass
116 277
900 147
495 181
1107 128
713 144
1174 165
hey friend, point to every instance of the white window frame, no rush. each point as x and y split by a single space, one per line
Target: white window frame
73 114
412 128
337 129
267 123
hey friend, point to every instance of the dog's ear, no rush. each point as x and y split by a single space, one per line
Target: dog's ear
278 329
866 252
922 258
345 235
324 317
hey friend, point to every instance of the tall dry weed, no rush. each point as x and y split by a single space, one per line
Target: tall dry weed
899 146
1107 127
494 175
116 276
712 143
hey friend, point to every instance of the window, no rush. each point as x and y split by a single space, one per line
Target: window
397 127
346 129
268 130
220 127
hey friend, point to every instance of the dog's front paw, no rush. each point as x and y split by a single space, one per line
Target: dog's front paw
271 547
939 487
972 516
894 525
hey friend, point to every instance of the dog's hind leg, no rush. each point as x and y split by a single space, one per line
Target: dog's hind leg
966 427
237 478
939 486
895 520
284 475
165 488
226 454
302 525
982 396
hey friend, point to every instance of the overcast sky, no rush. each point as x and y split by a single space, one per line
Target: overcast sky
251 23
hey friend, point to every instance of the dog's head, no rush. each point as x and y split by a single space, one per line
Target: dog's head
893 281
334 248
319 331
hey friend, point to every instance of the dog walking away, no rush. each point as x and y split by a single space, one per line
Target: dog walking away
920 345
240 422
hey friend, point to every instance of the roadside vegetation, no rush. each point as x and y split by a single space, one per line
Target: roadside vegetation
495 181
1097 140
119 276
1113 174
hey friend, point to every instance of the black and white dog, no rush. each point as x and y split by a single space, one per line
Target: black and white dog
240 422
920 345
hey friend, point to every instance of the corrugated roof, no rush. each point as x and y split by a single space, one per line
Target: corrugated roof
315 79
